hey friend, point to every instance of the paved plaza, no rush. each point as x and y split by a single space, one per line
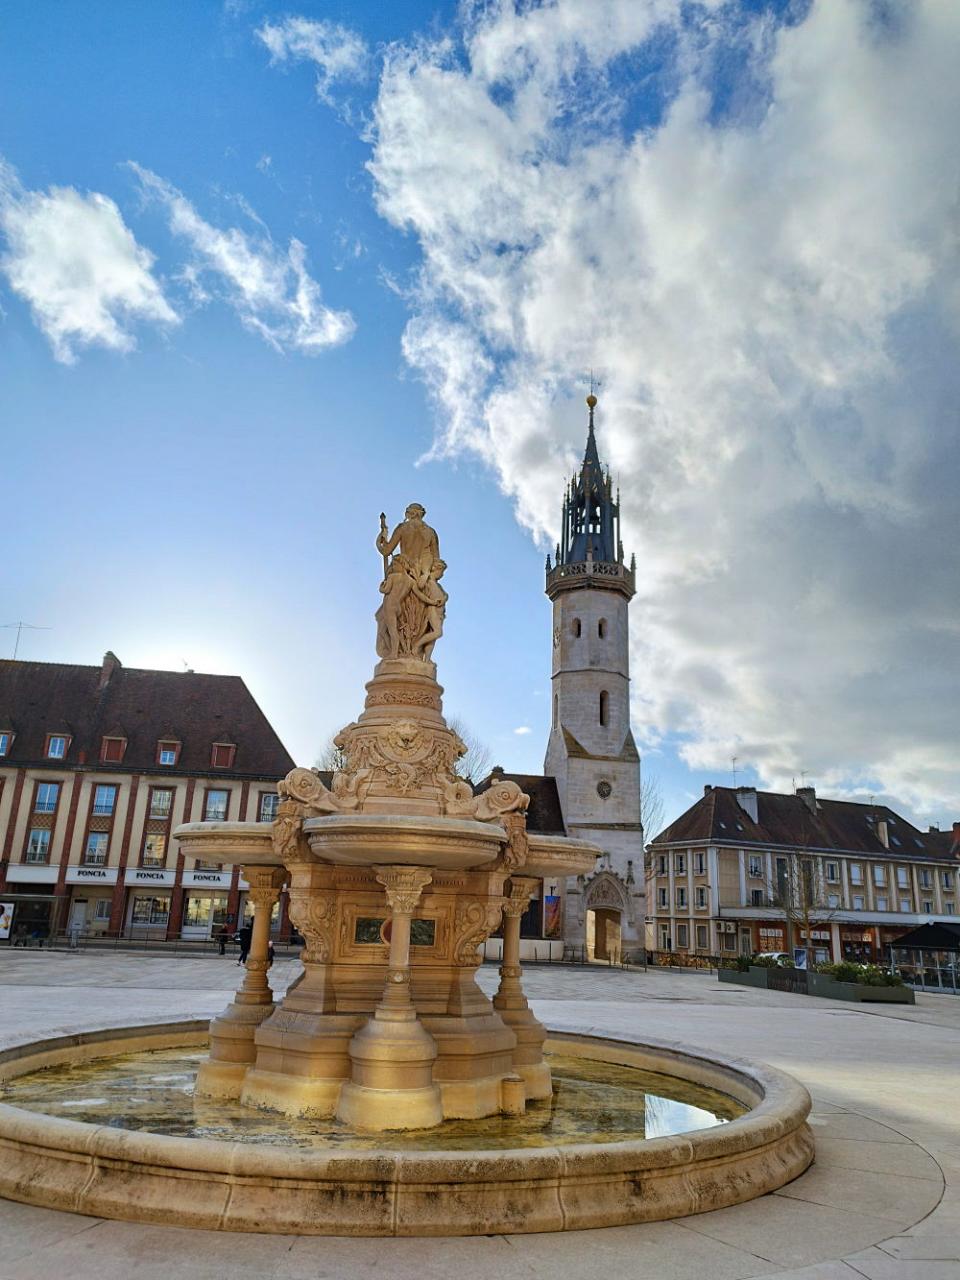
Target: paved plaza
882 1200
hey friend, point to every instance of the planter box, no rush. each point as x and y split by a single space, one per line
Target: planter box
806 982
821 984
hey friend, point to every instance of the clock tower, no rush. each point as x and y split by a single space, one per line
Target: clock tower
591 752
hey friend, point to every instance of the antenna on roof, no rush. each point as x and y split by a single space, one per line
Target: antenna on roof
733 770
803 777
20 626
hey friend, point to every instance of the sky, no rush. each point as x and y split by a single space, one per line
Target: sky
267 271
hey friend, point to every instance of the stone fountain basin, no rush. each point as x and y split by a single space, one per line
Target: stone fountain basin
248 843
370 839
550 857
232 1186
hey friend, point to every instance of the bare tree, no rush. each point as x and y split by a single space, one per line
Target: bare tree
651 805
798 892
476 763
331 757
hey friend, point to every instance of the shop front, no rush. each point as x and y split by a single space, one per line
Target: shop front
148 902
771 935
858 944
91 900
34 910
205 899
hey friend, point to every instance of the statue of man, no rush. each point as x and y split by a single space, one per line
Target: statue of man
418 543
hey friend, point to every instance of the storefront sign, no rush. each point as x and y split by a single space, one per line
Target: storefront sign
207 878
144 875
26 873
6 918
91 875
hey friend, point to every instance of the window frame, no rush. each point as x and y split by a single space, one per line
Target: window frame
105 742
154 864
216 791
50 739
262 804
86 860
755 859
95 810
160 817
7 737
164 745
37 831
230 748
46 806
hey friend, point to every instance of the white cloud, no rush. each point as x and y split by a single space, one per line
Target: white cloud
337 52
524 728
768 280
73 259
269 287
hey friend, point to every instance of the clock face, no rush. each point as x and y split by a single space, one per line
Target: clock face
604 789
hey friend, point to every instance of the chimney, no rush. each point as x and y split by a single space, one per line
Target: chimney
707 788
933 828
809 797
111 663
747 800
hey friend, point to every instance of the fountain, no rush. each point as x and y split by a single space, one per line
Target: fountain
397 873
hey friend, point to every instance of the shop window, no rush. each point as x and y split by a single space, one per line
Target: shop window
154 850
161 802
104 799
46 799
222 754
38 846
204 912
168 753
215 806
56 747
150 910
95 850
101 909
112 749
269 804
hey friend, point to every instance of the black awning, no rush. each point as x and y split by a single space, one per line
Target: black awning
939 935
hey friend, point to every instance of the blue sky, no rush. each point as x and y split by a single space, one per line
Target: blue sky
268 271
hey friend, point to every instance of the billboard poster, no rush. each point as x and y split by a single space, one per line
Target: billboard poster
551 917
800 957
6 919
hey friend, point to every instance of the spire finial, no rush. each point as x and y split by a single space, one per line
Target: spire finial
592 397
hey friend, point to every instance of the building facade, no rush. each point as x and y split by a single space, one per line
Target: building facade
590 752
746 871
98 766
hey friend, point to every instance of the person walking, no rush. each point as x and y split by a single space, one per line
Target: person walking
246 936
271 954
222 935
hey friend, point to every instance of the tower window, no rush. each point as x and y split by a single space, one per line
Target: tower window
604 707
556 708
602 628
577 627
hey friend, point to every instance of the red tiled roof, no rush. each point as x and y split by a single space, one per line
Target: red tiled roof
89 703
786 820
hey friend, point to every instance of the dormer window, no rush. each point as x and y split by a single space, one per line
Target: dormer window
168 753
56 746
221 757
6 741
112 749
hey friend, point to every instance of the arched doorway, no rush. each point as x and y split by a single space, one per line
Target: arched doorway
605 905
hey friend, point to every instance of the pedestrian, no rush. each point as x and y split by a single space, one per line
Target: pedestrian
245 935
222 935
270 954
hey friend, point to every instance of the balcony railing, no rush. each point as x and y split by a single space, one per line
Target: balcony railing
601 573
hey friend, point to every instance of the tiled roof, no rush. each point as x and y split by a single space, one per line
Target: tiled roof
787 820
544 815
89 703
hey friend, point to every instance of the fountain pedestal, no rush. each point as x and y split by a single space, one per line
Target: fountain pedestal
510 1001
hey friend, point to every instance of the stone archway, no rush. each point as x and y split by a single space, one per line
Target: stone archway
605 907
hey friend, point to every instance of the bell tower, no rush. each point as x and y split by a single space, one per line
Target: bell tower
591 751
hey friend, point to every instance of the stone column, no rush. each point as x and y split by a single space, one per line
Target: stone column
511 1003
393 1055
232 1046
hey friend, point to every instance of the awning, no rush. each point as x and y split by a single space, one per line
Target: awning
939 935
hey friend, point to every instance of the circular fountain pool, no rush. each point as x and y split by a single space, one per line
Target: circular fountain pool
106 1123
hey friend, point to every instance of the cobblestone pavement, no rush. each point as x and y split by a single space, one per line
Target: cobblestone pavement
882 1200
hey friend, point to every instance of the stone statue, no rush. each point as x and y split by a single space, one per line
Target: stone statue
410 618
